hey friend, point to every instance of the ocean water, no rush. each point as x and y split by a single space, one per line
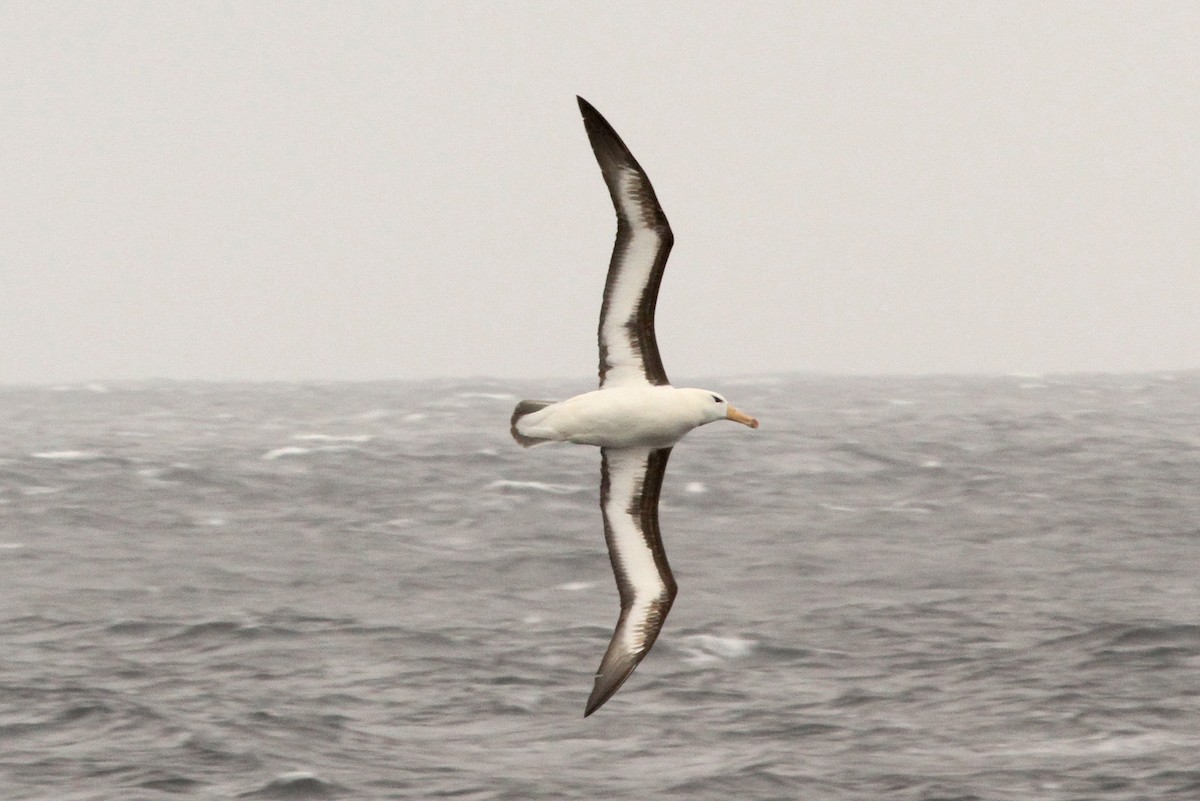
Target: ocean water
924 588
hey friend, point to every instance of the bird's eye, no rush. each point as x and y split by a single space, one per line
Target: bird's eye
716 399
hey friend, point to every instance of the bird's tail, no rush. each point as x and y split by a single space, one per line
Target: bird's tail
523 408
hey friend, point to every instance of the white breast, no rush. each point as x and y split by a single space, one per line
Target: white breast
619 417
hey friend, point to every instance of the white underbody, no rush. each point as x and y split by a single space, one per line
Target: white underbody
620 417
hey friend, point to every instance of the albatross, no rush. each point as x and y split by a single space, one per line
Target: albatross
635 417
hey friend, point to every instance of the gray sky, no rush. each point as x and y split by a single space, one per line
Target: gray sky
404 190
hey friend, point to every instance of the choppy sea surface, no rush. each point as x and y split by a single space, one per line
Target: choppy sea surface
918 588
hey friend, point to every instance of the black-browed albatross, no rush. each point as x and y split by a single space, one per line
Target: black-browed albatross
636 416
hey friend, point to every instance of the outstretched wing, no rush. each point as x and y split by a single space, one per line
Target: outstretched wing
628 349
630 481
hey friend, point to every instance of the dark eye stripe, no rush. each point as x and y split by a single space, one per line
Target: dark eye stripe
716 399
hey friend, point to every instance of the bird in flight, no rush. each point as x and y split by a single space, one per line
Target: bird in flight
635 417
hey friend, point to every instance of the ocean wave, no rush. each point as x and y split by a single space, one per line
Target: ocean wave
496 396
1130 637
213 631
298 450
706 648
421 607
287 450
535 486
171 783
576 586
297 785
39 489
68 456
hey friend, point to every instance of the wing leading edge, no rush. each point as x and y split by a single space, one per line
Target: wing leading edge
628 348
630 482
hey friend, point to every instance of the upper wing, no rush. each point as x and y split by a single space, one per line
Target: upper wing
630 481
628 349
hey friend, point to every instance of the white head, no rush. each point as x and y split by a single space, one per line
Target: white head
712 407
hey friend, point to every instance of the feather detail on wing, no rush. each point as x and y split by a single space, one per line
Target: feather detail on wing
628 348
630 481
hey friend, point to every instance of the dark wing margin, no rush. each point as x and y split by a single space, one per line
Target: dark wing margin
630 482
628 348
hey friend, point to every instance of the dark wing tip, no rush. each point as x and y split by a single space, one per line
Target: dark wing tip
609 679
614 159
610 150
589 111
618 663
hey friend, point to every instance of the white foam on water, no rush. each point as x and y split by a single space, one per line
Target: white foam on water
333 437
91 387
290 450
575 586
535 486
695 487
902 509
66 456
504 396
296 450
708 648
1121 745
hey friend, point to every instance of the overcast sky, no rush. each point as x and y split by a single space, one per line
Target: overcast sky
405 190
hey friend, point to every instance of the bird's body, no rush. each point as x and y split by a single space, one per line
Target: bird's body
635 417
624 417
